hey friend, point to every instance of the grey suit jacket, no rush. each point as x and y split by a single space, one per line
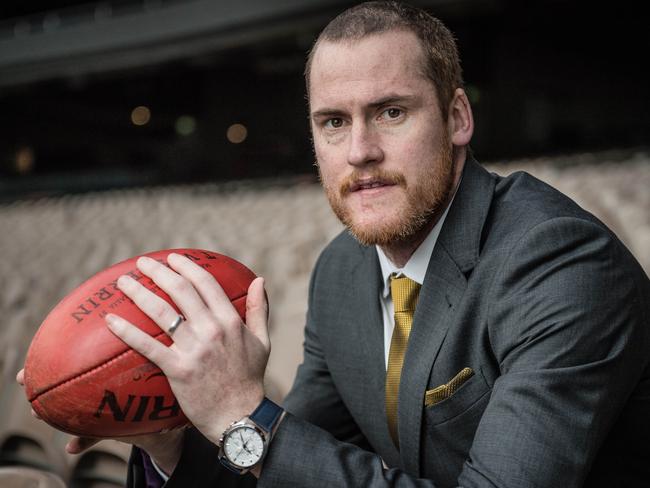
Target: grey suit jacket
537 297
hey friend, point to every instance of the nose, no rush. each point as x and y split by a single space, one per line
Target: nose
364 146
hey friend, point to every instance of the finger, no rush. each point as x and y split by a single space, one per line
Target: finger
206 285
137 339
20 378
158 309
176 286
77 445
257 311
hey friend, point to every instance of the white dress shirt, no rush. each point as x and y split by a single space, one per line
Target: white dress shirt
415 269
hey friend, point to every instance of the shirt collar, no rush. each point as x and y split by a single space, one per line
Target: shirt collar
416 267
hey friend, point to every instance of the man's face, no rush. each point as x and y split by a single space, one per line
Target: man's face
383 150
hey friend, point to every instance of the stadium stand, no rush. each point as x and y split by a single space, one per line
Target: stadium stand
29 478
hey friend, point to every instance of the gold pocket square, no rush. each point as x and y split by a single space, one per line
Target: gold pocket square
442 392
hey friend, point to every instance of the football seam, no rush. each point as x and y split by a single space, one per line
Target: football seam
91 370
106 363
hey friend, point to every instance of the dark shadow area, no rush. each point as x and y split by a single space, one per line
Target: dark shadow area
544 77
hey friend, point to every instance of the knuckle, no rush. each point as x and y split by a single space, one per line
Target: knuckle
158 312
233 322
257 308
217 334
145 349
205 280
183 373
180 285
204 355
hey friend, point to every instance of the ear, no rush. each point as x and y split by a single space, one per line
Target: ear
460 122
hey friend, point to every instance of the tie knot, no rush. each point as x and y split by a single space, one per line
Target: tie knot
404 292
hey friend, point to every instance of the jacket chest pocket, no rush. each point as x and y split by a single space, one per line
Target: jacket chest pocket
453 400
450 426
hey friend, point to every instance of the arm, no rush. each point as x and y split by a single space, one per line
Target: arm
569 332
571 339
197 467
314 397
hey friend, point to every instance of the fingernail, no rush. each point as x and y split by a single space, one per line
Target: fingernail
124 281
175 256
145 260
111 320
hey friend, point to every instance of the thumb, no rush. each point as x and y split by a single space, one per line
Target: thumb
257 311
77 445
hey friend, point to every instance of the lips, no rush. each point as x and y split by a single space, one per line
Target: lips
368 184
374 181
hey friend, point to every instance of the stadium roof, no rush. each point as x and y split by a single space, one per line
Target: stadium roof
39 41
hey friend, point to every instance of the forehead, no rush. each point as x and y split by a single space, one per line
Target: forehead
387 62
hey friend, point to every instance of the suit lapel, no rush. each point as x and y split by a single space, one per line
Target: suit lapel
455 254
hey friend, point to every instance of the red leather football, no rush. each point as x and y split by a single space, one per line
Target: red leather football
82 379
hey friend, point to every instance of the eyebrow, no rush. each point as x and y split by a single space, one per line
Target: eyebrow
387 100
391 99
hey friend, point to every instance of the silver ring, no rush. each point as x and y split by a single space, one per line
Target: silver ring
178 321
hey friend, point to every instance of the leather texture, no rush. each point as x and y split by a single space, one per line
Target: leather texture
266 414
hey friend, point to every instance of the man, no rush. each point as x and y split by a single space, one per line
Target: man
527 361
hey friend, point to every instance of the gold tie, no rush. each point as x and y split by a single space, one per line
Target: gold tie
404 293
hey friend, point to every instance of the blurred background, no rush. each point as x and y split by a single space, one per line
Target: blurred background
133 125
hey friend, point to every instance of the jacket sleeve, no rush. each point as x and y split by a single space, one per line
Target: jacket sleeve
314 397
198 467
569 329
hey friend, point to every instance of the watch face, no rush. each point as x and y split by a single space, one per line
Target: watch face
243 446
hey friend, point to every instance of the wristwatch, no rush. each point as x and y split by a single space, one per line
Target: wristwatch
245 442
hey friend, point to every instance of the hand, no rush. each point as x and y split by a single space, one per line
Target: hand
216 364
164 447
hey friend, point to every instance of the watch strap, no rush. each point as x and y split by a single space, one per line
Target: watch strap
266 415
231 467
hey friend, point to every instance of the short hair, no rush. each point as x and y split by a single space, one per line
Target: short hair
442 64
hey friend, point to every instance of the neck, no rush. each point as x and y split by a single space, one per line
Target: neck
400 252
